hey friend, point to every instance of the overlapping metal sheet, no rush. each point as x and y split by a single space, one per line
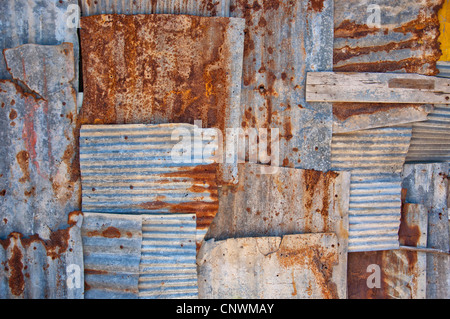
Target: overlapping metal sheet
36 268
289 267
168 261
444 69
37 22
39 173
137 169
375 158
283 41
112 253
204 8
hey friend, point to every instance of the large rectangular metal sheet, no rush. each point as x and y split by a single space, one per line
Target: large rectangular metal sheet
47 22
168 267
131 169
284 40
112 253
289 267
36 268
39 172
375 159
203 8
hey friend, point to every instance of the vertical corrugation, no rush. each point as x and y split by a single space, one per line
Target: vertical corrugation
168 260
375 158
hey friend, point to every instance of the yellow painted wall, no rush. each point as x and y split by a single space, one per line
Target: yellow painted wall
444 38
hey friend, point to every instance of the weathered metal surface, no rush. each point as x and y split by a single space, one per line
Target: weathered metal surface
290 201
375 158
39 173
283 41
444 37
430 140
131 169
402 274
168 261
36 22
37 268
204 8
427 184
291 267
112 253
444 69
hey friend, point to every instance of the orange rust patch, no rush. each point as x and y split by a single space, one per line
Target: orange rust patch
16 278
12 114
344 111
316 5
23 158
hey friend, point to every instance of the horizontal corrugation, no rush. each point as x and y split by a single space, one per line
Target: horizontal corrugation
430 140
375 158
191 7
112 253
444 69
168 261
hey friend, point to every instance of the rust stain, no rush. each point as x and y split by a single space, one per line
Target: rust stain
16 278
411 84
409 235
110 232
95 272
344 111
352 30
23 158
3 192
12 114
316 5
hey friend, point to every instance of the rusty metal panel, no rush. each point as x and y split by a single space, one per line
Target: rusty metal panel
112 253
283 41
375 159
36 22
131 169
430 140
402 273
168 260
39 172
289 267
204 8
290 201
36 268
427 184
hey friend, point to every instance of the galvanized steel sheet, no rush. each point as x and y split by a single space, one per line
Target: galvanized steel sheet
375 159
112 253
283 41
289 267
39 172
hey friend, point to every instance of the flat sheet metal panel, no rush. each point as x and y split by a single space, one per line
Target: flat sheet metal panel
375 159
112 253
203 8
39 172
168 259
283 41
37 22
291 267
37 268
290 201
131 169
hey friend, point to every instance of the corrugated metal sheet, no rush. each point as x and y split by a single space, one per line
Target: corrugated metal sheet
37 268
294 266
283 41
178 69
402 274
112 253
427 184
168 262
430 140
39 173
130 169
290 201
444 69
37 22
375 158
192 7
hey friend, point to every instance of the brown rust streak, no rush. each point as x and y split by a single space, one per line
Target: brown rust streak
16 278
110 232
409 235
23 158
344 111
316 5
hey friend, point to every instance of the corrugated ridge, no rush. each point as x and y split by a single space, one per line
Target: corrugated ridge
430 140
375 158
168 260
444 69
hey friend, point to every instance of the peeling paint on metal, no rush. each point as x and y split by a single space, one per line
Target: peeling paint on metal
204 8
283 41
289 267
112 253
38 141
168 261
35 268
130 169
444 37
375 158
36 22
